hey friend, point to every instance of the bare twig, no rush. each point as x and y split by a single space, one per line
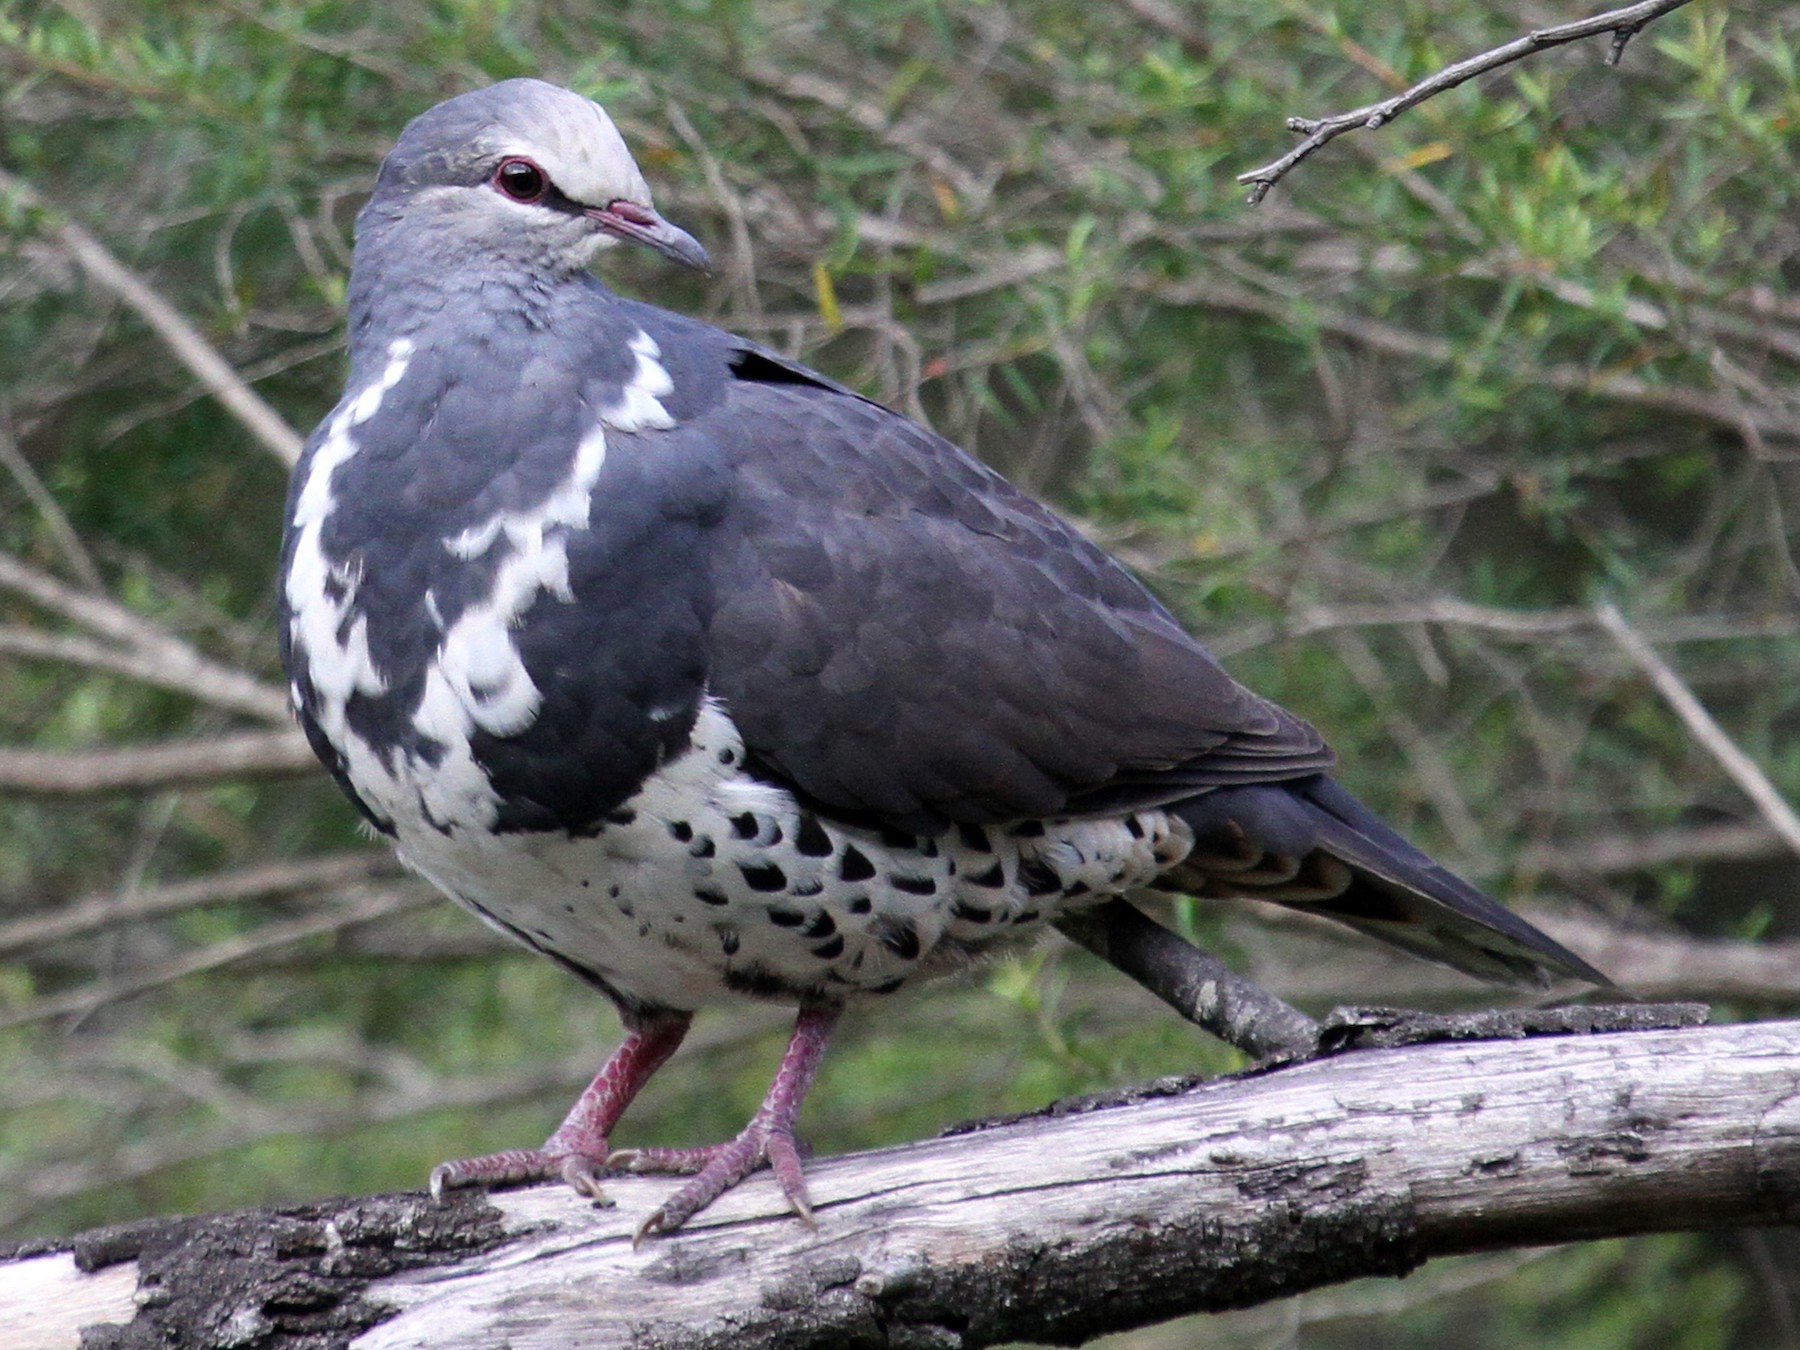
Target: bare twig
87 998
1743 770
217 685
1623 23
1671 846
68 542
176 333
256 754
153 649
100 912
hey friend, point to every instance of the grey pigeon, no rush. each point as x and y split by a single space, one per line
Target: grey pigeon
710 679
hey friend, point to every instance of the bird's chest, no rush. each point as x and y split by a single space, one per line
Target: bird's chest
488 627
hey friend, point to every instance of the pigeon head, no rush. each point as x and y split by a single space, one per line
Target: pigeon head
521 171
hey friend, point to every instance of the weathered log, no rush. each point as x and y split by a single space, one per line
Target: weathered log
1093 1216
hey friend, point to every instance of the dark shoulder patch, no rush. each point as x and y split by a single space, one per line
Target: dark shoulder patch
761 368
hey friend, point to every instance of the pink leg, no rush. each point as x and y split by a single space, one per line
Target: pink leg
578 1150
767 1139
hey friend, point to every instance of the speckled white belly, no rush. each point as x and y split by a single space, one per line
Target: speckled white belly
710 885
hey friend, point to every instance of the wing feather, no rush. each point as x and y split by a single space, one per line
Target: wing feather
899 631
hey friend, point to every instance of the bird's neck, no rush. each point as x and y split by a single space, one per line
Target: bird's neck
406 287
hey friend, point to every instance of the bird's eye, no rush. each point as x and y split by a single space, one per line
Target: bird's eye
521 180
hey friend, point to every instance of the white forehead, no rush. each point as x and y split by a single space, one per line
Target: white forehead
570 137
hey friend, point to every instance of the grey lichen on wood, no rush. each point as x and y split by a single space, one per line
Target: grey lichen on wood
1054 1227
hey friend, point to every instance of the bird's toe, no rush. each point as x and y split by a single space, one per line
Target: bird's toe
521 1167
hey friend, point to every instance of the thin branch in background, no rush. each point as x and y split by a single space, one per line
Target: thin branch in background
178 663
1743 770
99 913
1424 759
1672 846
268 427
1524 625
743 252
25 1190
868 113
68 542
1164 15
85 1000
1772 421
251 754
266 703
1317 963
1623 24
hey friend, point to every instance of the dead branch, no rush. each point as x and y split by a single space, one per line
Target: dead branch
1096 1216
1195 983
1623 23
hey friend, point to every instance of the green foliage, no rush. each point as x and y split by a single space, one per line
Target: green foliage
1530 347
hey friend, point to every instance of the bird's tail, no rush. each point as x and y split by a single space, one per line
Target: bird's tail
1308 844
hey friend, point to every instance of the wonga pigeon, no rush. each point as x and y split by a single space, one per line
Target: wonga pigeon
709 678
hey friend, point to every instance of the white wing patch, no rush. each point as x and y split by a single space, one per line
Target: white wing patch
477 678
320 595
640 405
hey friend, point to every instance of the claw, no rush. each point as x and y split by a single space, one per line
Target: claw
767 1141
583 1177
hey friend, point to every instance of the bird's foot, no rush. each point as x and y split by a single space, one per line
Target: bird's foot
764 1142
521 1166
577 1152
767 1141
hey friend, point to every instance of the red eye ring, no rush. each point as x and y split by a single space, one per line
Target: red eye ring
520 180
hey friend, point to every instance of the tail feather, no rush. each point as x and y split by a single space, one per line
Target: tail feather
1307 843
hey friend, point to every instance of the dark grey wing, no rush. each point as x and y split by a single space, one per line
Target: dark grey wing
899 631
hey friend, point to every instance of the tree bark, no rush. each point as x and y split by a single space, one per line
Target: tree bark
1096 1215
